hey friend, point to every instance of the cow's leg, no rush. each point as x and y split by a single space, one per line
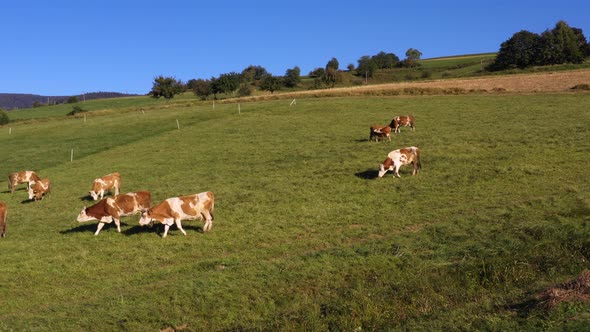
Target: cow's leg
397 170
177 221
166 228
118 223
100 226
208 221
117 190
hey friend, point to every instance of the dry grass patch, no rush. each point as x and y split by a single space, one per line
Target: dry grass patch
577 289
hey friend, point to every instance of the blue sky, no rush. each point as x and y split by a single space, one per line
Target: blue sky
68 48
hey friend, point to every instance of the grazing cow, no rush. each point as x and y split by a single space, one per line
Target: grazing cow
105 183
2 219
112 209
397 158
39 189
175 209
378 131
21 177
406 121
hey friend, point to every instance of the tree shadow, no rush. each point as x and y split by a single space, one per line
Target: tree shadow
369 174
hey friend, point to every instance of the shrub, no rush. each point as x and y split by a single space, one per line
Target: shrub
4 117
76 109
245 90
581 87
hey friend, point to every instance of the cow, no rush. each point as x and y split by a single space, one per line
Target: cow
39 189
173 210
406 121
377 131
400 157
2 219
113 208
15 179
105 183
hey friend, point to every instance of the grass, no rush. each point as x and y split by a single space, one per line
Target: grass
305 237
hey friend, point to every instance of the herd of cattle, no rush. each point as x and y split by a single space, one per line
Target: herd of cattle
174 210
169 212
400 157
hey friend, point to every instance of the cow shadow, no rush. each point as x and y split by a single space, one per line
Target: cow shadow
91 227
86 198
82 229
138 229
369 174
27 201
159 229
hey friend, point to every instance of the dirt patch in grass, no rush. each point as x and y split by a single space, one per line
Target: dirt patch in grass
577 289
561 81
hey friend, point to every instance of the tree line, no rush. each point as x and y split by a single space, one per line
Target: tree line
562 44
257 77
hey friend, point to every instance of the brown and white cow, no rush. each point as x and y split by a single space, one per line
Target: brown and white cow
400 157
399 121
39 189
2 219
377 132
173 210
112 209
15 179
104 184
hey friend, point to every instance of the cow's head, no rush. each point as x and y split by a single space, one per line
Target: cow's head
386 166
93 194
30 189
146 217
82 217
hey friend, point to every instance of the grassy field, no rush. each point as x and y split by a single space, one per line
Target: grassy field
305 236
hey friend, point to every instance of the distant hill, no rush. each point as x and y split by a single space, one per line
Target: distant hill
10 101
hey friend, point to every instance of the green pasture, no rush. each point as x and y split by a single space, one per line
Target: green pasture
305 236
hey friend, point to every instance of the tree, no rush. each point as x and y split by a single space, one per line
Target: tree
520 51
201 88
384 60
72 100
226 83
332 64
582 42
412 57
318 72
566 44
271 83
3 117
366 66
292 77
166 87
252 74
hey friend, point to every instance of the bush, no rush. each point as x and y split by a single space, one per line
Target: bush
245 90
581 87
75 110
4 117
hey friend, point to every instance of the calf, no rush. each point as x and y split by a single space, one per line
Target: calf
406 121
397 158
2 219
173 210
378 131
105 183
112 209
39 189
21 177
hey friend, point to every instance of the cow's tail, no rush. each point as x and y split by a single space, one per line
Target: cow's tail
418 163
